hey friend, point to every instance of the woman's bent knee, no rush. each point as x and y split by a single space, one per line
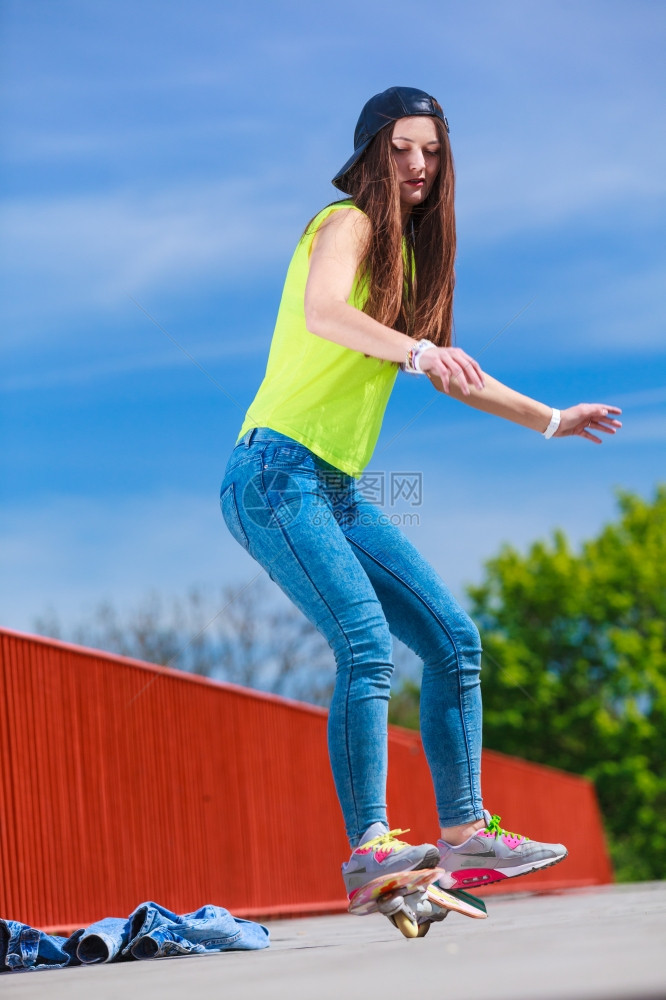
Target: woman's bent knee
365 647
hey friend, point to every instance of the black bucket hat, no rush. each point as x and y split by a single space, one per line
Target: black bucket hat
381 110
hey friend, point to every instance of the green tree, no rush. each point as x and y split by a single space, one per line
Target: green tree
574 670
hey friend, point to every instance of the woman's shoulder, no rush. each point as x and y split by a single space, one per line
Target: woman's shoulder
339 214
336 206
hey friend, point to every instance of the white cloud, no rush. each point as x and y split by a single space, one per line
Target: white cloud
584 302
527 178
75 254
70 553
644 397
649 430
555 136
73 374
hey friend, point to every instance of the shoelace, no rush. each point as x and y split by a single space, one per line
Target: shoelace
387 839
494 827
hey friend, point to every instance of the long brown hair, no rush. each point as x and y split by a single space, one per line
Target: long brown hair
422 307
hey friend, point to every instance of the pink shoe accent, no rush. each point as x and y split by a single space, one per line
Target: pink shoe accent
486 833
362 850
512 842
383 855
467 878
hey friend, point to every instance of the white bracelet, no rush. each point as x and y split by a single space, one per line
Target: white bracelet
424 345
411 364
553 425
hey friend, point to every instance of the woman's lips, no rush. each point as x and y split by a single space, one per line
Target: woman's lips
416 183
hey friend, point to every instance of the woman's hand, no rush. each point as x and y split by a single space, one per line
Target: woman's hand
452 365
463 375
587 418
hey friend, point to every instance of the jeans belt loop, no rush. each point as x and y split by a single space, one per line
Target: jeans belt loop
247 440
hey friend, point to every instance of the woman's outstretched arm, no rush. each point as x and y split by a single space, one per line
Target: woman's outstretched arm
586 419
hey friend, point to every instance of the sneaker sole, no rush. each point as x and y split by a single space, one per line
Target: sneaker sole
467 878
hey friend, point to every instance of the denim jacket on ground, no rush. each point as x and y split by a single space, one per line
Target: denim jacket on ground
150 931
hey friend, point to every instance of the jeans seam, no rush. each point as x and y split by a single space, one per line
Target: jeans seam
342 631
230 491
448 633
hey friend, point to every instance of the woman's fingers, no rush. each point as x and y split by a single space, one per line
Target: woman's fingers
598 418
588 420
444 377
457 374
601 419
469 370
586 433
475 373
451 364
606 425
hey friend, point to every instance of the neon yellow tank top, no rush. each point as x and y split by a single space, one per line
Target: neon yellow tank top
330 398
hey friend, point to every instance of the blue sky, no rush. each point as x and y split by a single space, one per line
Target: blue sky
163 158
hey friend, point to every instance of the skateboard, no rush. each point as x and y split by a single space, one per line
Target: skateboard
412 901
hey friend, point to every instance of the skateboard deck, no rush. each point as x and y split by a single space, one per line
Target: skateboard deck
400 897
458 901
364 900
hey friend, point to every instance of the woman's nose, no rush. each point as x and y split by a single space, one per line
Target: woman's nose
416 160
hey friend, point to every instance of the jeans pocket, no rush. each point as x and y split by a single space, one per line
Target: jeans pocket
291 458
231 517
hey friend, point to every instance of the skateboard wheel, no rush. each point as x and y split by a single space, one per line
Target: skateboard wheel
407 927
424 928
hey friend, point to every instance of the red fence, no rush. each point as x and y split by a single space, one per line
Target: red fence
122 782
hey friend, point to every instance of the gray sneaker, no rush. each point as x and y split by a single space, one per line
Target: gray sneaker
381 853
494 854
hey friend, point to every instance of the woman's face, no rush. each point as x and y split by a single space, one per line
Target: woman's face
416 153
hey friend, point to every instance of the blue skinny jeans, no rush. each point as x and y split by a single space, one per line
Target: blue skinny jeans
358 579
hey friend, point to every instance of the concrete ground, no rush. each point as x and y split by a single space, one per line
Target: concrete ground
605 943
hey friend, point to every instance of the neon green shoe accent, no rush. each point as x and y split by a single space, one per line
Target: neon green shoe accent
494 827
387 839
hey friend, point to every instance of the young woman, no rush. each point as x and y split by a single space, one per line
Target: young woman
370 290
